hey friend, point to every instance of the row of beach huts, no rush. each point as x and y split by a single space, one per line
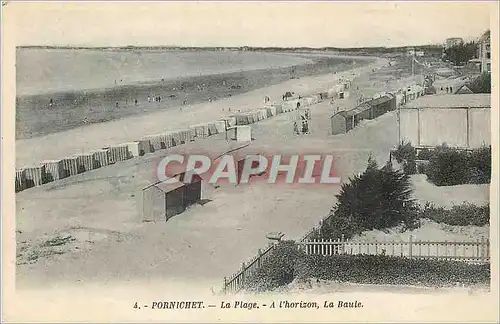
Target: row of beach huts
381 103
235 125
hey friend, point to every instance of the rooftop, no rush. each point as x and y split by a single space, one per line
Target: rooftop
476 100
485 36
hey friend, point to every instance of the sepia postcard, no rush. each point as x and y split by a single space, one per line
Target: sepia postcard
199 161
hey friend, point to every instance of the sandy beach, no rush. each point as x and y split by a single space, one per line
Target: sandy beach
161 118
99 212
37 116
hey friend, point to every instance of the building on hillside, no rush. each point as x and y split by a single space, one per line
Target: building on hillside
450 42
453 41
484 52
410 51
461 121
419 53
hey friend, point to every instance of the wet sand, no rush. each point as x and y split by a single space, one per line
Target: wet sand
35 117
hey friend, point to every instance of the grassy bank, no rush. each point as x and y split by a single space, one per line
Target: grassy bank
35 118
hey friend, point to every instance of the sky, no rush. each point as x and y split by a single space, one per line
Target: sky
281 24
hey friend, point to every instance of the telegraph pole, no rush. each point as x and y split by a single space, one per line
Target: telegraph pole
413 64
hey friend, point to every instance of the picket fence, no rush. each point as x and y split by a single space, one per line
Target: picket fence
234 283
477 252
470 251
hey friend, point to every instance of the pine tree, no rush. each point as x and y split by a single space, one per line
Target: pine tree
379 198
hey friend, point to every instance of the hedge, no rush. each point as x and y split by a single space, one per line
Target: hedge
288 263
465 214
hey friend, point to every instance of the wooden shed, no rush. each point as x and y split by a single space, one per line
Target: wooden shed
344 121
161 201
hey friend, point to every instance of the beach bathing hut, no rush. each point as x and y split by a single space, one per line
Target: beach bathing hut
231 121
263 113
212 129
279 109
161 201
381 105
84 162
54 170
117 153
34 176
100 158
413 92
20 182
241 119
70 166
343 94
240 133
220 125
137 148
185 135
157 142
200 130
271 111
461 121
344 121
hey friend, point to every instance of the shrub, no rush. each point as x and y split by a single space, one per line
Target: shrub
481 84
449 167
279 269
480 165
464 214
376 199
364 269
380 269
421 168
406 154
424 154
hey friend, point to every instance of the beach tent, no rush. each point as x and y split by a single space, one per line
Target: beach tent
271 111
200 130
70 166
464 90
220 125
84 162
34 176
54 170
100 158
241 133
137 148
20 183
117 153
343 94
156 142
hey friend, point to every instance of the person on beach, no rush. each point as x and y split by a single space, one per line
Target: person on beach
117 104
149 99
51 102
136 102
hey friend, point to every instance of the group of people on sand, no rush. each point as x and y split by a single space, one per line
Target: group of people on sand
448 89
154 98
